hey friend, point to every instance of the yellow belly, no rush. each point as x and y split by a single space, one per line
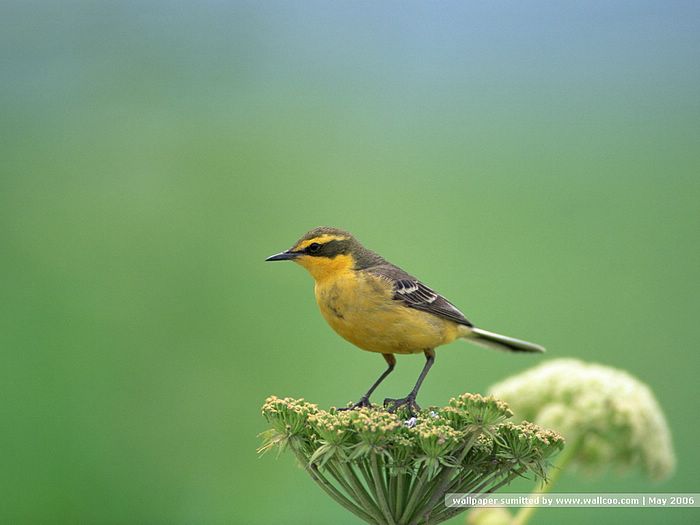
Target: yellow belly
360 308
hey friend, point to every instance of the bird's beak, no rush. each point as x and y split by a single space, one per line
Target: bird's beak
284 256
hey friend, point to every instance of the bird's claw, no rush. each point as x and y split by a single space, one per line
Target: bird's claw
408 402
362 403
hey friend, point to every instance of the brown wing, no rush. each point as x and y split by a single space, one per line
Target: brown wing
414 294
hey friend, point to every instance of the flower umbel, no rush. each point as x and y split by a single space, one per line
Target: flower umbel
612 418
389 471
288 418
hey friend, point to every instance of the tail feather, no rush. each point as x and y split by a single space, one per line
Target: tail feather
500 342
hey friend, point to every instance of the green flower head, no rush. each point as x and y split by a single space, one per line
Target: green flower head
288 416
610 416
436 439
476 410
387 470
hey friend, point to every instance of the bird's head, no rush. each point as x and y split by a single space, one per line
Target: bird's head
326 251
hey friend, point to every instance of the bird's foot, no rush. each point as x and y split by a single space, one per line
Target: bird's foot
362 403
408 402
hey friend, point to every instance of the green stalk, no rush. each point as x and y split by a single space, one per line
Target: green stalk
442 481
479 489
401 487
411 502
367 479
460 483
392 494
472 487
426 493
342 481
367 502
333 492
385 471
380 490
468 486
364 470
507 480
450 512
525 514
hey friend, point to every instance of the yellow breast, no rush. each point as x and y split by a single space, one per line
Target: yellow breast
359 306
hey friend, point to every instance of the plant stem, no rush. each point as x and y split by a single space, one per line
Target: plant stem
392 494
462 483
507 480
333 492
411 501
367 502
486 480
525 513
400 491
333 469
443 480
379 489
450 512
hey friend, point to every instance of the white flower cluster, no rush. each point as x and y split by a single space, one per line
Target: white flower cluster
611 417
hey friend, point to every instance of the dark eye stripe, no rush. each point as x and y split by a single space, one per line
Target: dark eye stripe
329 249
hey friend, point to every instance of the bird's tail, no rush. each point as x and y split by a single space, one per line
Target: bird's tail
498 341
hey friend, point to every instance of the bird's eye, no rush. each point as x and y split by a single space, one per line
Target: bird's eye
313 247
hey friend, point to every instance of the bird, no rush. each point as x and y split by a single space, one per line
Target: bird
380 308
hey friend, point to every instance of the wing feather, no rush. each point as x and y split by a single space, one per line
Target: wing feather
414 294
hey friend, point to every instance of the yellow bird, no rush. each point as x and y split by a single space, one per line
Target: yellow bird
380 308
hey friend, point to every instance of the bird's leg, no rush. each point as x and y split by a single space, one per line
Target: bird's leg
364 400
410 400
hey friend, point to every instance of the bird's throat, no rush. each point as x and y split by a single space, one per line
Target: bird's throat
324 268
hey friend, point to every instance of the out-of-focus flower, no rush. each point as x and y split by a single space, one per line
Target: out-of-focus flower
387 471
608 415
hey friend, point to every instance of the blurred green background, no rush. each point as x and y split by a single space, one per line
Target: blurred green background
536 162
